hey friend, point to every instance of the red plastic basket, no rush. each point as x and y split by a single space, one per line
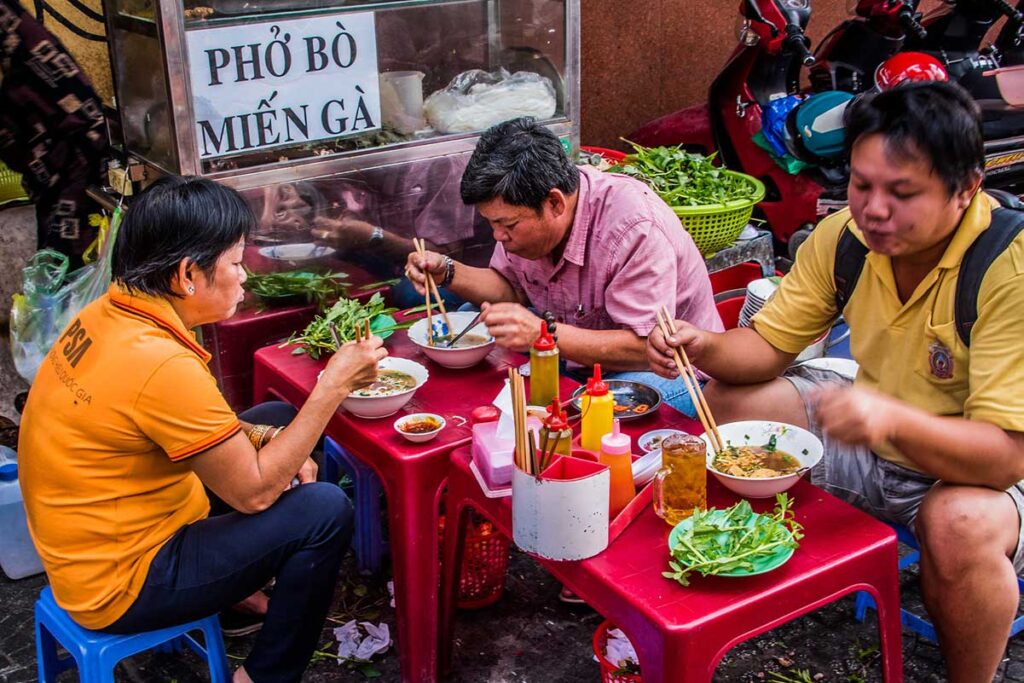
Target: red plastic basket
608 669
484 564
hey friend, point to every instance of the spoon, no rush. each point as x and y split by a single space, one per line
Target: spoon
449 344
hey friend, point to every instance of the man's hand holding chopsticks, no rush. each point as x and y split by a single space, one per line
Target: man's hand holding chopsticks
659 348
417 266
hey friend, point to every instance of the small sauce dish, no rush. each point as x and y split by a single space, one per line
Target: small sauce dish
419 427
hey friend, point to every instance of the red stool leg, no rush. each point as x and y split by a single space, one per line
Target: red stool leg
412 495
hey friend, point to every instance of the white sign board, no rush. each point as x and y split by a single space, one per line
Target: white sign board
277 83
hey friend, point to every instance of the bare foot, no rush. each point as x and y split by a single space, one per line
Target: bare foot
241 676
254 604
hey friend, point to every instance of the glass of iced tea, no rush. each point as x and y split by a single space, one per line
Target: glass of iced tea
682 483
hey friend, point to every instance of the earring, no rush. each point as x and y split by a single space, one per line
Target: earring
191 289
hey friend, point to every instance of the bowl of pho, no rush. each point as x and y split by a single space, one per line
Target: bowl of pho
397 382
469 350
762 458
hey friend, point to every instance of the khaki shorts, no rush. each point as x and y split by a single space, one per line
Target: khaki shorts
882 489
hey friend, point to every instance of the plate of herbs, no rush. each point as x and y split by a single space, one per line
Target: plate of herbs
296 286
345 315
735 541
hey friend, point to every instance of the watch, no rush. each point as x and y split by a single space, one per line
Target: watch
377 236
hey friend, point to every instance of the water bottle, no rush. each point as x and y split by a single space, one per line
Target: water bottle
18 556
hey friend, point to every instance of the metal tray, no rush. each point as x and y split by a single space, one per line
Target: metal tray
629 396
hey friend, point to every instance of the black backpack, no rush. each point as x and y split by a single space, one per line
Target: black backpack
1007 223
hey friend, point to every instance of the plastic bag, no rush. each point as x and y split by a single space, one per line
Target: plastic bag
51 297
476 100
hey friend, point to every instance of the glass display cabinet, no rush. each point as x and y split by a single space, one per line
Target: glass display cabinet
323 112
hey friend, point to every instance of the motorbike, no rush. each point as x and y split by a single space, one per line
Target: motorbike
765 66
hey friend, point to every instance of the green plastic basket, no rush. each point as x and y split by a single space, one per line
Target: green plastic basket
715 227
10 185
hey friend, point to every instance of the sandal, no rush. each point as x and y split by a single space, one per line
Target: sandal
570 598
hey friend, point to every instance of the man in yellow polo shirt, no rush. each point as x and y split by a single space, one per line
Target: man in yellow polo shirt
931 432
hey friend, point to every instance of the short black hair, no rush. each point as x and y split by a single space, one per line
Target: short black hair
937 121
520 161
175 218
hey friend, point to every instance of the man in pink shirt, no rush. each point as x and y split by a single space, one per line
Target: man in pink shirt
599 251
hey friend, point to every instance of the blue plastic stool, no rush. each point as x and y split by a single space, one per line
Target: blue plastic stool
367 541
95 654
919 625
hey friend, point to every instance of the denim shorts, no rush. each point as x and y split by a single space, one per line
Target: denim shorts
856 475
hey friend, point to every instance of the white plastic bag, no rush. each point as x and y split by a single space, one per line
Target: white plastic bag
476 100
51 297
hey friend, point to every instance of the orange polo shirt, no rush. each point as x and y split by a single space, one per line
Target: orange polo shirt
121 401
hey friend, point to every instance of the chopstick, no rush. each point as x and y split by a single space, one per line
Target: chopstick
421 247
686 371
524 454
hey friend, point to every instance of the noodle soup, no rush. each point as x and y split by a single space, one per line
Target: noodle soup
389 383
756 462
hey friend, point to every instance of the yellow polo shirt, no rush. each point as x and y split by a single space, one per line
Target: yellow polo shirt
121 401
911 350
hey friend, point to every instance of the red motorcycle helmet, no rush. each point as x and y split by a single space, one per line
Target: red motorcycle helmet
909 66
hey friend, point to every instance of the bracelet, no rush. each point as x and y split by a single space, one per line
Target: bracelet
256 435
449 272
274 435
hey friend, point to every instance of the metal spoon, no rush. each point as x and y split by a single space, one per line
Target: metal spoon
449 344
334 335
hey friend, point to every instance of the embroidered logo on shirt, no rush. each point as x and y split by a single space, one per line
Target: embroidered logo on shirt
940 359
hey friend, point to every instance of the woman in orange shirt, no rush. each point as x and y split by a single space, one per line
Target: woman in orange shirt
125 425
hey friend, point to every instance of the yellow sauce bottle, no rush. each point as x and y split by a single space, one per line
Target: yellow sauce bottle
543 368
598 411
556 432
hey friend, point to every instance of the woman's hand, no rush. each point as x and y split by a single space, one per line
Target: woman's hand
353 366
307 473
659 348
418 265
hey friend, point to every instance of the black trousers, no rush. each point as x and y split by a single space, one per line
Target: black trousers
216 562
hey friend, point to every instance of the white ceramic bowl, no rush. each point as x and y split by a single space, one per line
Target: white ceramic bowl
420 437
462 357
382 406
799 443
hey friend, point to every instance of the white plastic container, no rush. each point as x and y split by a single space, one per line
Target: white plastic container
18 556
562 515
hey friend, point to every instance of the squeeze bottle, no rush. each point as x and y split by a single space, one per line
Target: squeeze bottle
555 431
617 454
543 368
598 410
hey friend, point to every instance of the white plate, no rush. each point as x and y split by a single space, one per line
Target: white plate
762 288
307 251
644 442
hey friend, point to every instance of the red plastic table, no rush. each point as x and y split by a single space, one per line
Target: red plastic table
412 474
680 633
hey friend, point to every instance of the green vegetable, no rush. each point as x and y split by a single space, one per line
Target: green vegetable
345 315
733 541
316 287
683 178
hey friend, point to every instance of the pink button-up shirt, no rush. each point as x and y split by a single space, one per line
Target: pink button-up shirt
627 255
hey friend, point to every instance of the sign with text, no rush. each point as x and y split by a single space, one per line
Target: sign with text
277 83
